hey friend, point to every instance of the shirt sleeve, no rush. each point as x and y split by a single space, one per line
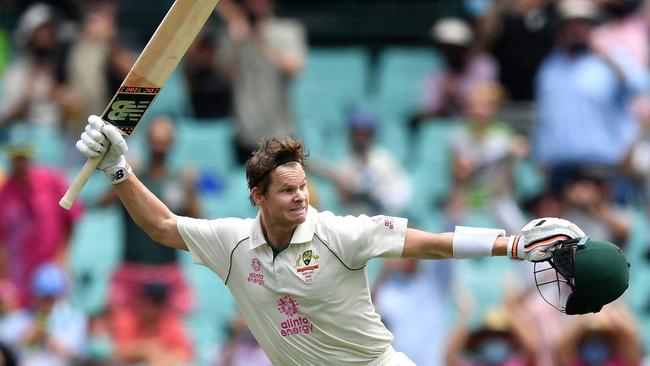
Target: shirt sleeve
635 77
211 242
355 240
288 37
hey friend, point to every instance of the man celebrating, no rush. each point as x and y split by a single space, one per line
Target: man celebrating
298 274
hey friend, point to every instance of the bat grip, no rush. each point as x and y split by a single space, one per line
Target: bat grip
80 180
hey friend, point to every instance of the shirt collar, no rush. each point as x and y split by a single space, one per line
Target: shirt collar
303 233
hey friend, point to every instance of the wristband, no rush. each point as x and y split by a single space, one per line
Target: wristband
119 173
515 247
473 242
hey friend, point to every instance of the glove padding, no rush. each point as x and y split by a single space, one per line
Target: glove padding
93 143
540 235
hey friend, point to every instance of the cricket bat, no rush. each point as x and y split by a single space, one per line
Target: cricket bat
142 84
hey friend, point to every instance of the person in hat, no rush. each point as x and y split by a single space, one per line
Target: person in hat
463 67
368 179
583 94
34 77
152 335
33 228
501 336
608 338
51 332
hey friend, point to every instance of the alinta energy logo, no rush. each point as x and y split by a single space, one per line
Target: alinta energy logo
254 276
389 222
295 324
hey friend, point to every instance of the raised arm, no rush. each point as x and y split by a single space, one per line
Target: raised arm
145 208
532 243
151 214
424 245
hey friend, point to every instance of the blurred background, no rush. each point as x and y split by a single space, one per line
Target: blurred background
447 112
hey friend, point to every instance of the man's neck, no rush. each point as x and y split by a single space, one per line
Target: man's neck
277 235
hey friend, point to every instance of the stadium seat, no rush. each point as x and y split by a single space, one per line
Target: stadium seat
214 309
333 80
173 100
430 166
204 145
402 72
93 255
48 141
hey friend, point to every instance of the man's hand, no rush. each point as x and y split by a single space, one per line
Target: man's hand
100 138
540 235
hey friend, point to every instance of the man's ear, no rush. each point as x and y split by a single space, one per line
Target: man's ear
258 196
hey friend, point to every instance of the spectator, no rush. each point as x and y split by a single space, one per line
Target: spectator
97 63
587 200
35 77
484 154
369 179
152 334
242 349
607 338
7 357
100 347
464 67
404 288
583 96
142 259
51 332
208 84
625 29
503 338
637 161
519 34
262 53
33 228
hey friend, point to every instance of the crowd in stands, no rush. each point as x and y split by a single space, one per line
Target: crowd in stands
523 108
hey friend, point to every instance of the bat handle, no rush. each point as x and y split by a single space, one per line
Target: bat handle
80 181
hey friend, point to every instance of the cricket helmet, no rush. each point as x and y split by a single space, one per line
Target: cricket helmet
587 275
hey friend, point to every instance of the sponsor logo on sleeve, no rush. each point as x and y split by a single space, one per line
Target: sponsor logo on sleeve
388 222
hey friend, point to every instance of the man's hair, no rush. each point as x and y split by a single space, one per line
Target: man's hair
271 154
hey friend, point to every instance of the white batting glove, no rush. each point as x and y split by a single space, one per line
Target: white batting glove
93 143
540 235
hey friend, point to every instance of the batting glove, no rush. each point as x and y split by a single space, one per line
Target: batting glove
540 235
104 140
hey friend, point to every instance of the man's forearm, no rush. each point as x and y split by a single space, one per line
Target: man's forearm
149 213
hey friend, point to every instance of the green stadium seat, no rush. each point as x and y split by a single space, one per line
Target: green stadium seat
204 145
48 141
402 72
93 255
173 99
333 80
430 166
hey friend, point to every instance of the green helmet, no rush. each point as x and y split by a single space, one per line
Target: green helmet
596 272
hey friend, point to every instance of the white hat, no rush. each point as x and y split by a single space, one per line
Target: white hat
452 31
35 16
577 9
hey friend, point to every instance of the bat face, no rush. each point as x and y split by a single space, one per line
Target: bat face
128 106
156 62
142 84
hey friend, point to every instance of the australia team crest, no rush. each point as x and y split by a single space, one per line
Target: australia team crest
307 265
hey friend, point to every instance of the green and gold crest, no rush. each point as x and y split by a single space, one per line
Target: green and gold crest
306 256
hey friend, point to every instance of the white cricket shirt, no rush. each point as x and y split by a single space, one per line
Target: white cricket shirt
311 305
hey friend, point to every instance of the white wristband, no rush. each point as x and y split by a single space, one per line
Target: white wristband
119 173
473 242
516 247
